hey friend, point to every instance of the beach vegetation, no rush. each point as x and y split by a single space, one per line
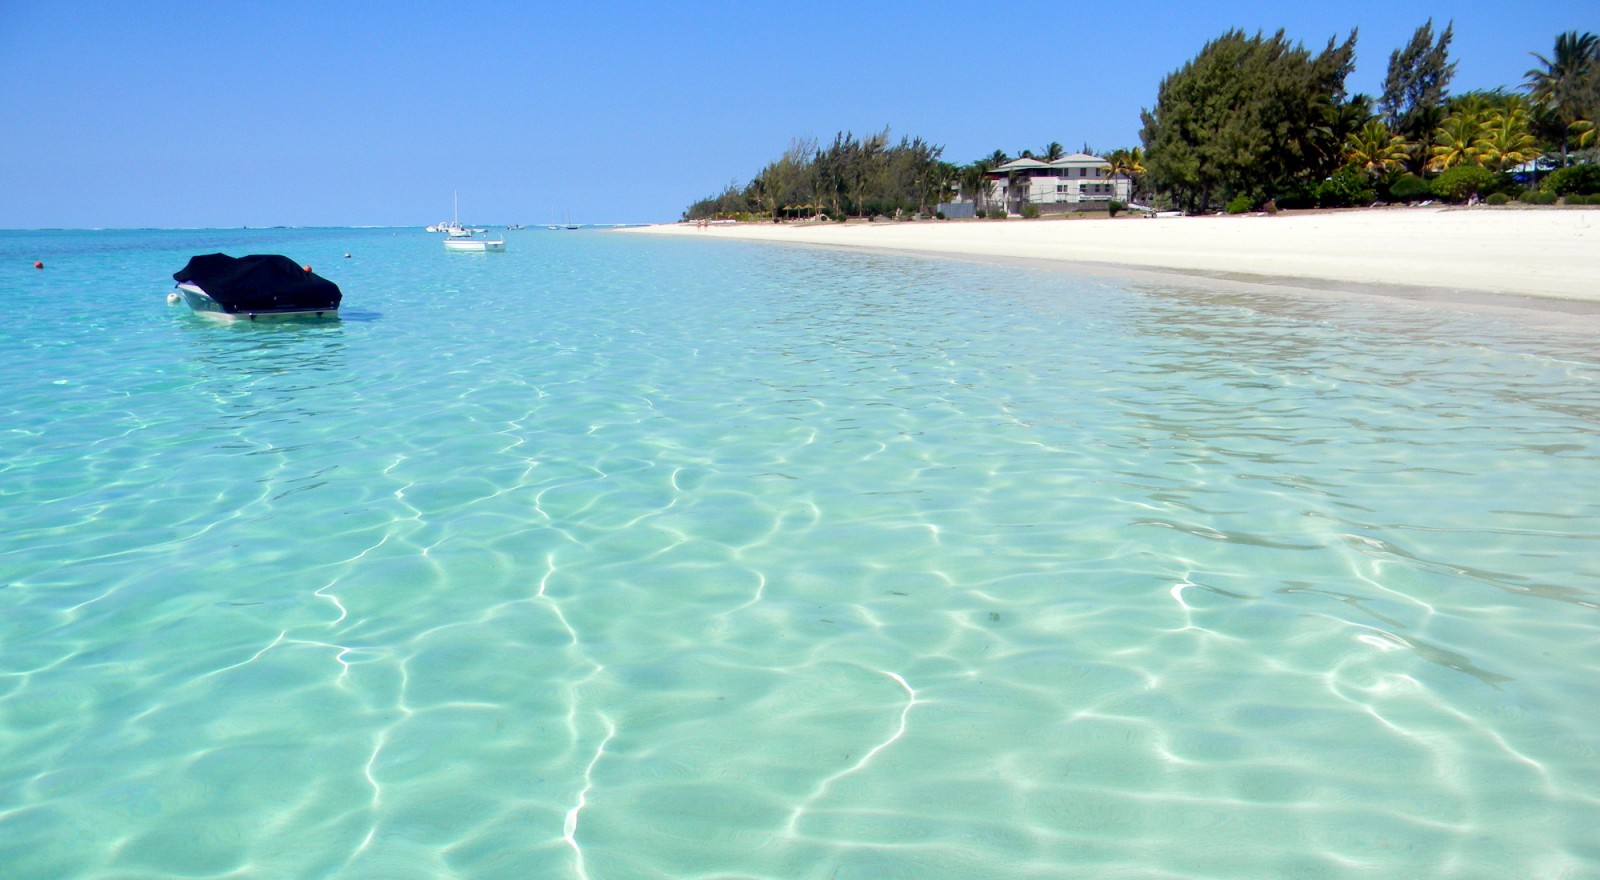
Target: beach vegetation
1582 133
1460 183
1251 116
1498 198
1409 187
1127 162
1506 139
1566 87
1348 187
974 181
1416 84
1537 197
1115 207
1455 141
852 176
1237 205
1573 180
1375 149
1029 211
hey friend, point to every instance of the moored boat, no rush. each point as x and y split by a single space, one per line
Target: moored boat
255 287
477 242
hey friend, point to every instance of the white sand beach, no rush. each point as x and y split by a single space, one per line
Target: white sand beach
1552 252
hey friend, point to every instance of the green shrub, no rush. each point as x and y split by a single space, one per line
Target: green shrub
1115 207
938 215
1030 211
1573 180
1347 188
1580 199
999 214
1504 182
1237 205
1498 199
1301 196
980 213
1409 188
1537 197
1462 182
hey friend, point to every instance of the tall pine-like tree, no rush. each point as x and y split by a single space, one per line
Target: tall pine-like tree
1248 116
1417 82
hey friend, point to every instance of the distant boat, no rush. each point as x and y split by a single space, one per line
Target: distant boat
455 229
476 242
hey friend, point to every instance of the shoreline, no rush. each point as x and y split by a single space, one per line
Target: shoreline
1493 256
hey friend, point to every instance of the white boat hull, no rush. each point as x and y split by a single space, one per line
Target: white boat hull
481 245
203 305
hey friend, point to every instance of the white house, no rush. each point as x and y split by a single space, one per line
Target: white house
1072 179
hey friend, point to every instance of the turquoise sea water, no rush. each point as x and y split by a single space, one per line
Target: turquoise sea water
623 557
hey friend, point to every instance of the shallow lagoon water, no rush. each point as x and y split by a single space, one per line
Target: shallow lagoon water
615 557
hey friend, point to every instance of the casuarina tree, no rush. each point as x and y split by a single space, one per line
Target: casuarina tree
1417 81
1249 116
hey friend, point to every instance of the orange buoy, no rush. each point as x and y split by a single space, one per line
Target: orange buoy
307 267
38 264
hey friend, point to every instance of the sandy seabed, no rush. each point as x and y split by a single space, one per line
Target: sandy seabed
1550 252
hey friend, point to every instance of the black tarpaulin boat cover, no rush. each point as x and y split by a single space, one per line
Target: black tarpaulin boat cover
259 283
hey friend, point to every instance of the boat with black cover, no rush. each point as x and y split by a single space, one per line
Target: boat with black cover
256 287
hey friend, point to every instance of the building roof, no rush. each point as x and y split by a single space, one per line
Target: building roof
1079 159
1021 164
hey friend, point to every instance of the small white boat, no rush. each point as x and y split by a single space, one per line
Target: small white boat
479 242
454 228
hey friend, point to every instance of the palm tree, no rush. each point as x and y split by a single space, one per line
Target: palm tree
1123 162
1135 170
1565 84
1375 150
1506 140
1582 133
1455 141
975 181
1054 151
1117 164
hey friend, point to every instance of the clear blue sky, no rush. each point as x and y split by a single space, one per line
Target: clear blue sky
218 113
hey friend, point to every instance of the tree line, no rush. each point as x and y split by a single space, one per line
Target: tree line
852 176
870 177
1253 120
